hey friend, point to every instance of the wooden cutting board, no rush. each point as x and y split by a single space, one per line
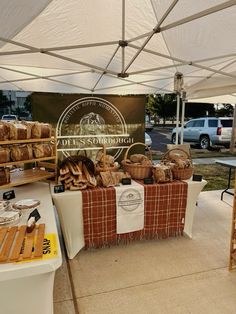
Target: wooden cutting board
17 245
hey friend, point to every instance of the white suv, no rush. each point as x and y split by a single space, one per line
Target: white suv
207 132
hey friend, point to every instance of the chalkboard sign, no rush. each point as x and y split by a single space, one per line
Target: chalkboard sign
59 188
9 195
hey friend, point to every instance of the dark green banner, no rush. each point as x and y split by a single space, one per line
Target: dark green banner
86 123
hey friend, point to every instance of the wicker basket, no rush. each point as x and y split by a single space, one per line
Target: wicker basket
138 172
179 173
99 168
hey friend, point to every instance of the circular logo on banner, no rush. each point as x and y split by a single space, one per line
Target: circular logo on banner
130 200
90 122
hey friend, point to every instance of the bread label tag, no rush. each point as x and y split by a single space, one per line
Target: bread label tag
59 188
9 195
126 181
148 181
197 177
35 214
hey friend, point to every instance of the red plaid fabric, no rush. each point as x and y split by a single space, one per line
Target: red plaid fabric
99 216
164 213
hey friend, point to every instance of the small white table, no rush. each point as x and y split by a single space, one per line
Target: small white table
70 212
231 164
27 288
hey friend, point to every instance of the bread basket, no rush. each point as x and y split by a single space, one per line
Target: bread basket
101 166
138 172
179 173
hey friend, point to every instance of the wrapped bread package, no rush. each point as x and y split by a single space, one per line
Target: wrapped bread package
42 150
21 152
5 155
18 131
29 125
162 173
4 175
41 130
4 131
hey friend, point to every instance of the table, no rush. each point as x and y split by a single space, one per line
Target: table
231 164
69 208
27 287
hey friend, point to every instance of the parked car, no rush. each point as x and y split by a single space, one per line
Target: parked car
9 117
207 132
148 124
148 140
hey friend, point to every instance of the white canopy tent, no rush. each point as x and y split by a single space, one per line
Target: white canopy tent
115 46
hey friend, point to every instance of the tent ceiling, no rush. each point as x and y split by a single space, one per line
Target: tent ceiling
117 46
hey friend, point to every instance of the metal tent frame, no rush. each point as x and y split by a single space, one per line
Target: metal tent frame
127 77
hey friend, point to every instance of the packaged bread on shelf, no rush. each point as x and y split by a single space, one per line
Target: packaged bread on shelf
4 131
4 175
21 152
42 150
41 130
18 131
5 154
29 125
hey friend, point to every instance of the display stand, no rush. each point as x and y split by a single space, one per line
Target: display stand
232 258
42 168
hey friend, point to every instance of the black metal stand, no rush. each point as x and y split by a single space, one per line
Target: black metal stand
228 186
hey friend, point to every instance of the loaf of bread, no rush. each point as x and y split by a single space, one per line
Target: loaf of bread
29 125
4 131
75 175
4 175
42 150
18 131
4 154
41 130
162 173
21 152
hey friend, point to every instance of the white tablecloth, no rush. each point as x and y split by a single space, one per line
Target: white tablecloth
27 287
69 208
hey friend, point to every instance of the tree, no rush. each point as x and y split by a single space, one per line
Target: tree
163 106
27 103
226 111
3 98
5 104
196 110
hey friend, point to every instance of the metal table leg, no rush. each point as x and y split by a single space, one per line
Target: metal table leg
228 186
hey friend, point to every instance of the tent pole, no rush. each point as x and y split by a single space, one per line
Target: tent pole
201 14
182 122
177 119
185 62
233 135
155 30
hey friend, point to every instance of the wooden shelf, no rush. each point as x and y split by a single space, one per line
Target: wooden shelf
27 176
26 161
32 140
20 177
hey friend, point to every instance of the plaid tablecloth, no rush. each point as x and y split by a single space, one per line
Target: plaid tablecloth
164 205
